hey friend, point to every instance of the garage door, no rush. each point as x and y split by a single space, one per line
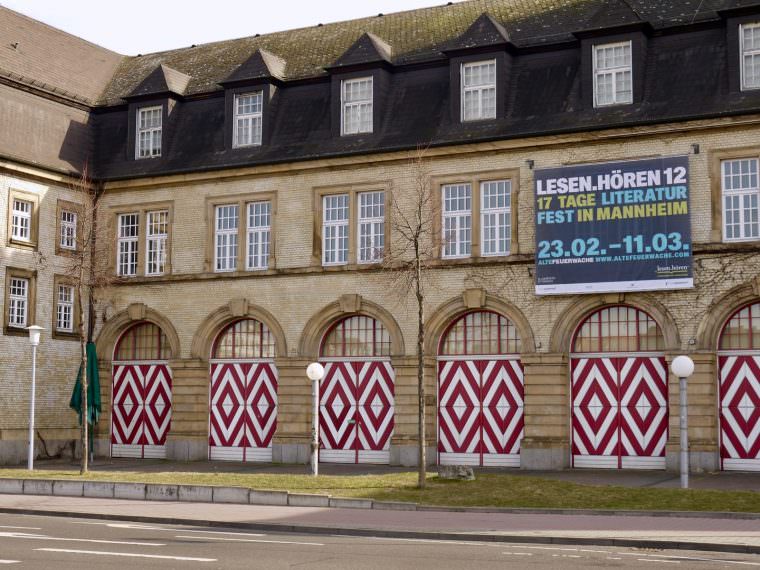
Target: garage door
142 393
480 392
619 391
739 393
243 393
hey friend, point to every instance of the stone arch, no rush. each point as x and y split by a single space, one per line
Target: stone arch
711 325
234 310
474 300
573 316
346 306
120 322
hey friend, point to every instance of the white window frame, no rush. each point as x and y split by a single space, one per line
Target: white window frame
156 238
359 105
252 120
335 229
479 90
613 72
64 309
259 232
18 302
744 53
226 238
503 230
68 237
457 220
21 220
741 194
127 244
370 227
152 150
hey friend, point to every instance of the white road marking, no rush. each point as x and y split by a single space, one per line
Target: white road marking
453 542
27 536
127 554
719 561
250 540
613 558
217 532
22 527
660 561
10 561
551 548
518 553
595 551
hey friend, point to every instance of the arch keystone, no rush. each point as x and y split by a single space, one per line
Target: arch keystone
474 298
137 311
238 307
350 303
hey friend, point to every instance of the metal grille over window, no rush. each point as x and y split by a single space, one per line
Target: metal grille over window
68 230
247 339
21 221
457 220
357 336
479 90
248 119
149 132
496 217
481 333
157 234
613 72
742 331
356 100
64 319
143 342
750 47
335 230
18 301
619 329
226 237
129 231
371 226
259 231
740 199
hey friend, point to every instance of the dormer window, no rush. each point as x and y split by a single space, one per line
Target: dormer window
356 105
613 74
248 119
479 90
149 120
749 37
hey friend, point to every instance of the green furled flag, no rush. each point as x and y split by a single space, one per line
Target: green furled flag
93 388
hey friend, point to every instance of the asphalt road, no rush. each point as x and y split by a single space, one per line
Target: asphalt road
53 543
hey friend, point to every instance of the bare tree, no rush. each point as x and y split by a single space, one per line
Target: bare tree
415 248
88 273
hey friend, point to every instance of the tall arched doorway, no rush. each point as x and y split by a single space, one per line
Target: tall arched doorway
480 392
619 391
739 393
356 410
142 393
243 393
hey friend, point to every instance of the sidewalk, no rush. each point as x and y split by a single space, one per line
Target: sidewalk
725 481
741 536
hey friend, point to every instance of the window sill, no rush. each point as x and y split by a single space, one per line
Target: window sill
15 331
67 336
19 244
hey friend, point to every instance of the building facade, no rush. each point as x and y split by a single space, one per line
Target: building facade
249 189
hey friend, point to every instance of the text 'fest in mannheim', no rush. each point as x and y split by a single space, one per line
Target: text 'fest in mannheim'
589 177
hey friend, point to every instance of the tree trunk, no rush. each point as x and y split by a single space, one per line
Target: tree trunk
422 474
85 385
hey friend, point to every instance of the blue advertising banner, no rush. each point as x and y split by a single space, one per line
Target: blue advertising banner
613 227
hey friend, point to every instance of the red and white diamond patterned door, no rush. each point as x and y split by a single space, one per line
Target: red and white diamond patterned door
356 410
243 393
480 392
619 392
142 393
739 391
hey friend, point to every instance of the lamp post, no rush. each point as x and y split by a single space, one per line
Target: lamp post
34 340
683 367
315 371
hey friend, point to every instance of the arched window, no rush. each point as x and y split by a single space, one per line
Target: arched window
619 329
742 331
481 333
357 336
144 341
246 339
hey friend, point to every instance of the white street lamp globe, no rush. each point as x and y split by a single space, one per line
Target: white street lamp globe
682 366
34 334
315 371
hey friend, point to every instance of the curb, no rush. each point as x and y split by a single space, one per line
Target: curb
245 496
403 534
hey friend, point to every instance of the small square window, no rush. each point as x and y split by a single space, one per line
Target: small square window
478 90
613 74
